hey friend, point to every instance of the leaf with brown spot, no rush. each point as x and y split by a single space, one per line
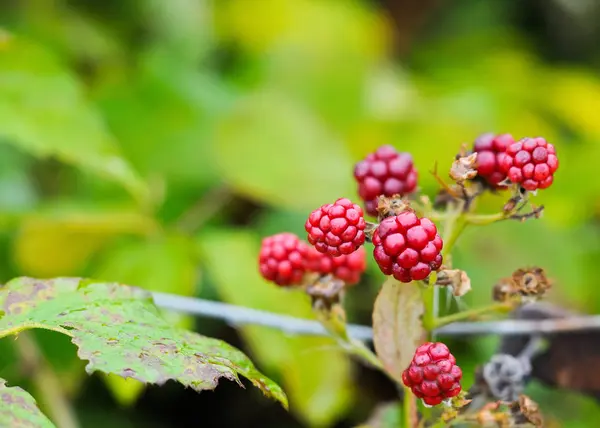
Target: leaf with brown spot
118 330
397 327
18 409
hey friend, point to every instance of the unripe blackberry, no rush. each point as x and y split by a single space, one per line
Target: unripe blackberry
385 172
337 228
348 268
407 247
490 151
433 374
530 162
282 259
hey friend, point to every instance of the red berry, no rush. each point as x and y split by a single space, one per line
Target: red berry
407 247
491 150
282 259
386 172
337 228
348 268
433 374
531 162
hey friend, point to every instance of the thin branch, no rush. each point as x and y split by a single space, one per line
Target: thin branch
238 315
210 204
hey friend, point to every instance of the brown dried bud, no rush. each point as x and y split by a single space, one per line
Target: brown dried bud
455 278
530 283
387 207
525 410
463 168
511 204
325 291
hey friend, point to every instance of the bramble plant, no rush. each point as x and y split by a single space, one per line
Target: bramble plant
408 248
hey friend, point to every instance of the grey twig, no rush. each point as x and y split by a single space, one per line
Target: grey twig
238 315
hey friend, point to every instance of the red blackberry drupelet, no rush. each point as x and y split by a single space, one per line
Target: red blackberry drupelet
385 172
530 162
282 259
490 150
337 228
407 247
348 268
433 374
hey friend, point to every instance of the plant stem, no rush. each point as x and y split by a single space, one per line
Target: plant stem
334 320
409 409
428 297
46 382
359 349
453 226
484 219
204 209
472 313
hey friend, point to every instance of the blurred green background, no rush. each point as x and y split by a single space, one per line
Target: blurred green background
155 142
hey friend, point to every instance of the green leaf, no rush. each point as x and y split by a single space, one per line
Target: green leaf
272 150
397 327
119 330
43 111
18 409
315 371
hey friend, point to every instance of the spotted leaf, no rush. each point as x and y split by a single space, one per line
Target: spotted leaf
18 409
118 330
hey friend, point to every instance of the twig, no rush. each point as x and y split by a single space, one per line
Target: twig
204 209
238 315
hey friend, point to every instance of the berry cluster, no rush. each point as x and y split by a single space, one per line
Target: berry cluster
385 172
433 374
407 247
490 152
337 228
530 162
284 259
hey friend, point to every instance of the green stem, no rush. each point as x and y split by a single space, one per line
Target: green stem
453 226
409 409
334 321
472 313
428 297
484 219
358 349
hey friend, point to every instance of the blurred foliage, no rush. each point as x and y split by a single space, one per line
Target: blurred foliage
118 118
